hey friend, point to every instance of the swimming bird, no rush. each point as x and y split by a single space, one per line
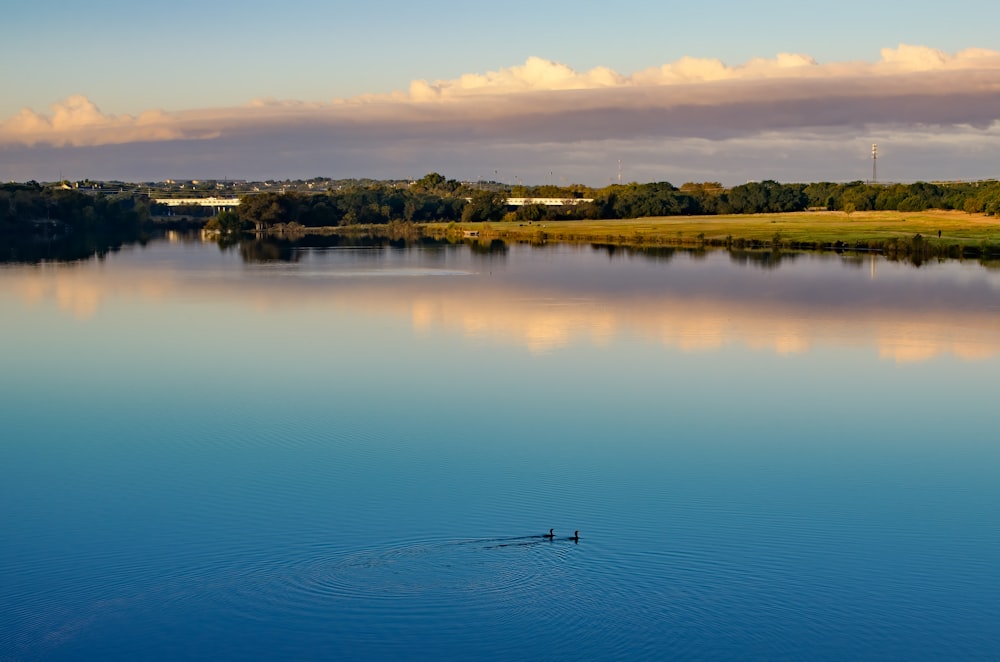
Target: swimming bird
575 537
549 535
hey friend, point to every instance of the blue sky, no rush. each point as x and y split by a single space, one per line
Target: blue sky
186 57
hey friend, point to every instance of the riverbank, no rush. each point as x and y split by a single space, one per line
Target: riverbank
942 232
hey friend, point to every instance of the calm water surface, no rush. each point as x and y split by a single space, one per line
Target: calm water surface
352 453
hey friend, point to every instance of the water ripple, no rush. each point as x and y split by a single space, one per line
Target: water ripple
409 576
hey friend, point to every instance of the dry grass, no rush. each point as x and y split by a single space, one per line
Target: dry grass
801 229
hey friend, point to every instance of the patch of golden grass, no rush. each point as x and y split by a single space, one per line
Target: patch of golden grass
816 227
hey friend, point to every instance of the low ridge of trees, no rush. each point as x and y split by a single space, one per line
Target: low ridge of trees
433 198
34 204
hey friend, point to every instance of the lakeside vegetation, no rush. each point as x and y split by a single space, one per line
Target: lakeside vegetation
958 219
41 223
435 199
934 233
32 204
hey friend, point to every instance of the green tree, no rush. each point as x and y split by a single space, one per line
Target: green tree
226 222
862 196
265 209
430 182
530 213
485 206
825 195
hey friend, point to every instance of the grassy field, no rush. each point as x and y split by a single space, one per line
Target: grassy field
888 231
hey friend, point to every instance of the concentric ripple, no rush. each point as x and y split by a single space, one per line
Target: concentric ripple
408 576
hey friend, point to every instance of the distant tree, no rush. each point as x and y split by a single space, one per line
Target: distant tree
530 213
750 198
227 222
551 191
429 182
823 195
784 198
912 203
972 205
320 214
268 208
862 196
485 206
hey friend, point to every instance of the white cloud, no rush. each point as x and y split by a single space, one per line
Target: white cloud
790 100
922 58
536 74
77 121
690 97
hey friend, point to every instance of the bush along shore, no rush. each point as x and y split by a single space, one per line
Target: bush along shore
956 220
932 234
914 238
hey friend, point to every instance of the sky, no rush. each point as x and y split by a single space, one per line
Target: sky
518 92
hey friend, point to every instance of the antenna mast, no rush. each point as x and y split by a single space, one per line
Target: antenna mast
619 172
874 163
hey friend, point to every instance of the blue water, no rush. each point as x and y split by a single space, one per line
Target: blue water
352 453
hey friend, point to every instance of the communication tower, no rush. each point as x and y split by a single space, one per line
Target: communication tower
874 163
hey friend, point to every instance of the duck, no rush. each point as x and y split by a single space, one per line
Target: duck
549 535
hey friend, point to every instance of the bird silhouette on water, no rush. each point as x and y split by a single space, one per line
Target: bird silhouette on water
550 535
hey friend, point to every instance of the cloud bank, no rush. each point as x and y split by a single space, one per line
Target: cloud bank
909 90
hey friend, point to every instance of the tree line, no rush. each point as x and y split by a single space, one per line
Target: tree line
771 197
434 198
35 205
39 223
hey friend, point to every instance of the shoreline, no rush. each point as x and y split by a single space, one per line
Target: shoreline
892 233
808 227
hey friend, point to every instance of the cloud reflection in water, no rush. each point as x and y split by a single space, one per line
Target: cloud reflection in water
547 300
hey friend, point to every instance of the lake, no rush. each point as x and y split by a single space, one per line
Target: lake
312 450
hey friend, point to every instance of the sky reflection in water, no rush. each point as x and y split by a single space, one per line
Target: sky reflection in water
547 299
317 456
